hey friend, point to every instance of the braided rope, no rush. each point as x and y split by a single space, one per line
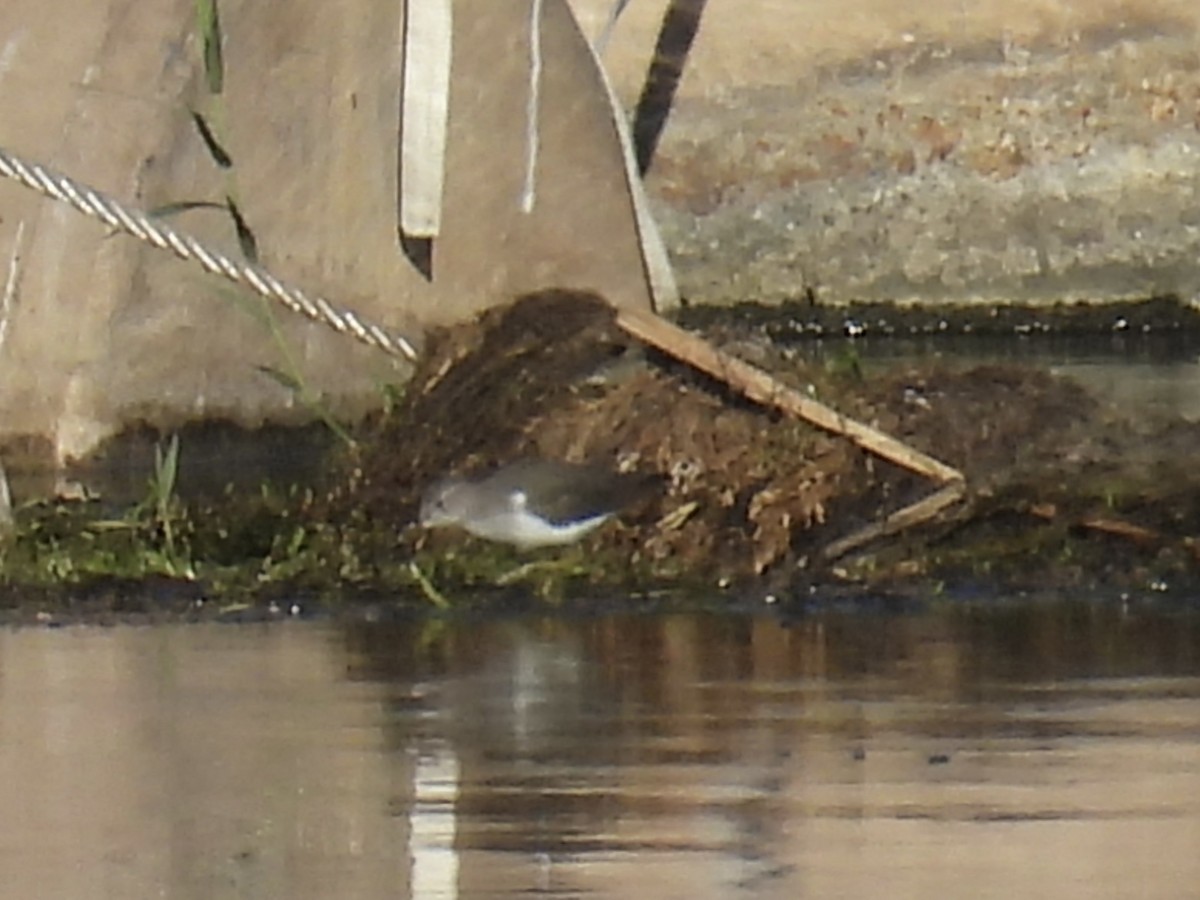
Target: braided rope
92 203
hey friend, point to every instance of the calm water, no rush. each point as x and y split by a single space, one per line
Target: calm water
1017 752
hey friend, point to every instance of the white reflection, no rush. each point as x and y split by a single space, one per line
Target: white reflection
432 823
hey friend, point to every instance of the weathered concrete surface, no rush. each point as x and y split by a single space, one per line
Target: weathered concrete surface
998 150
102 331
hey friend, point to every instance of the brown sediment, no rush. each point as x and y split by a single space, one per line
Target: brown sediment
751 490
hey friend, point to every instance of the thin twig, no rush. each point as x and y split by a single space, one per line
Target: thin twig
6 308
428 588
10 285
914 514
7 523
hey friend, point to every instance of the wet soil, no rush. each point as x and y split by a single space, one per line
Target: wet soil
1062 493
755 495
796 323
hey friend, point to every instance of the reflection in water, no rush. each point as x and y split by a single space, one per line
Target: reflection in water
1011 751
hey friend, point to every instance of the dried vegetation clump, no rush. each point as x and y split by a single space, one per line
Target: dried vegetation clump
748 490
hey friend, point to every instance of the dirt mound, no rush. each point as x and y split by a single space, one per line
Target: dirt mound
750 490
920 478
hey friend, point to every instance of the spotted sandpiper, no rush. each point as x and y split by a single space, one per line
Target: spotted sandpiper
533 502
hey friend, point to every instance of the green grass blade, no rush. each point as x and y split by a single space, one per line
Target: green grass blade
208 23
246 239
173 209
219 154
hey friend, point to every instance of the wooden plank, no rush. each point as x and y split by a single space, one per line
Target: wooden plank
909 516
759 386
423 115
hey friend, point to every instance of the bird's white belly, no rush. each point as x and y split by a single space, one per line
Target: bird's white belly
526 530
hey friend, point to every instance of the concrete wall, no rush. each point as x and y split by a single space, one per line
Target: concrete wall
102 332
943 151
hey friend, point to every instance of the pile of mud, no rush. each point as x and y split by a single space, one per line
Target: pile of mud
751 492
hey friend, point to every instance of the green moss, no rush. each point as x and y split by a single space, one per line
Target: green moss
251 548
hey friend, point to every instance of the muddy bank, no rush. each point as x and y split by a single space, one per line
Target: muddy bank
756 495
1061 491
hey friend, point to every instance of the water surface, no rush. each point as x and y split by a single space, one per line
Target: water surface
990 751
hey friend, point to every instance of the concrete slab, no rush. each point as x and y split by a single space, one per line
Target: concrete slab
102 333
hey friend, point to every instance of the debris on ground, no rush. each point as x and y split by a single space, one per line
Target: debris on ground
753 493
1011 478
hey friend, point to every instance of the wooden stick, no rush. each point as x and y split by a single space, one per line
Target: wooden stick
915 514
1122 529
1117 527
760 387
